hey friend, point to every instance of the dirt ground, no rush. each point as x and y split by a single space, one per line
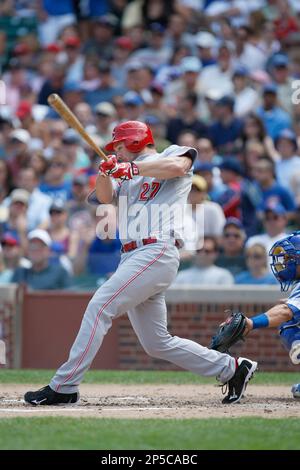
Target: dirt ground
156 401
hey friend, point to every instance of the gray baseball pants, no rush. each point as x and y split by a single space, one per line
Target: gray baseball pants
138 288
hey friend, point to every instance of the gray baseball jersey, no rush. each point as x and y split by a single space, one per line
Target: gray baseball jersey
150 206
156 207
139 284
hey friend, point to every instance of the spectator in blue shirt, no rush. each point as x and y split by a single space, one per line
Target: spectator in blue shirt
271 191
187 119
56 16
53 85
225 132
206 44
104 253
274 118
55 185
103 256
43 274
107 89
257 272
62 7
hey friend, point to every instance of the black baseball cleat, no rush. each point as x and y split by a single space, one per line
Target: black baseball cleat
238 383
47 396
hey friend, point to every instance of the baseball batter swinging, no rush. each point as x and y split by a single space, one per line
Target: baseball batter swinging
148 266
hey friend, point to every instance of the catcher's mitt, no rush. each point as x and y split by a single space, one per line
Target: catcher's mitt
229 332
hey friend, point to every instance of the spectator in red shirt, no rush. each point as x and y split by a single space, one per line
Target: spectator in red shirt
230 199
285 24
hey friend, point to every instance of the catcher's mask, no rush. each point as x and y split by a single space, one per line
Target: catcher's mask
285 258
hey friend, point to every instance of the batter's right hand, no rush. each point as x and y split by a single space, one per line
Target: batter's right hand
110 166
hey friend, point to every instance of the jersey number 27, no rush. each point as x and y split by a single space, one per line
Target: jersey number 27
149 191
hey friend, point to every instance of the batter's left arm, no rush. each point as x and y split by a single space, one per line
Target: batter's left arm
167 168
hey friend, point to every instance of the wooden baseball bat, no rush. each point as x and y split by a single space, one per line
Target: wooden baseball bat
64 111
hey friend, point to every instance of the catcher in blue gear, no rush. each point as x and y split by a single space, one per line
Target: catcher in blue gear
285 256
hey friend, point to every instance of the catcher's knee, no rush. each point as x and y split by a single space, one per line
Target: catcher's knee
295 352
290 337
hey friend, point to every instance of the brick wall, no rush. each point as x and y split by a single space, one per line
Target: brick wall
198 322
193 313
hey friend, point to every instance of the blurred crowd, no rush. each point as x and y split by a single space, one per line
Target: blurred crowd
222 76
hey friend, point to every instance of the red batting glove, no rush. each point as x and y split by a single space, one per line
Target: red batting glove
108 167
124 171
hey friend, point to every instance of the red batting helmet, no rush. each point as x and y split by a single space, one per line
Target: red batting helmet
135 135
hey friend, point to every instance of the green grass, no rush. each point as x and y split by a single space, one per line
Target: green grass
121 434
111 434
139 377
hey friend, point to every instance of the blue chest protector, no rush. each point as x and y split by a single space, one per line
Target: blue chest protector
290 330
